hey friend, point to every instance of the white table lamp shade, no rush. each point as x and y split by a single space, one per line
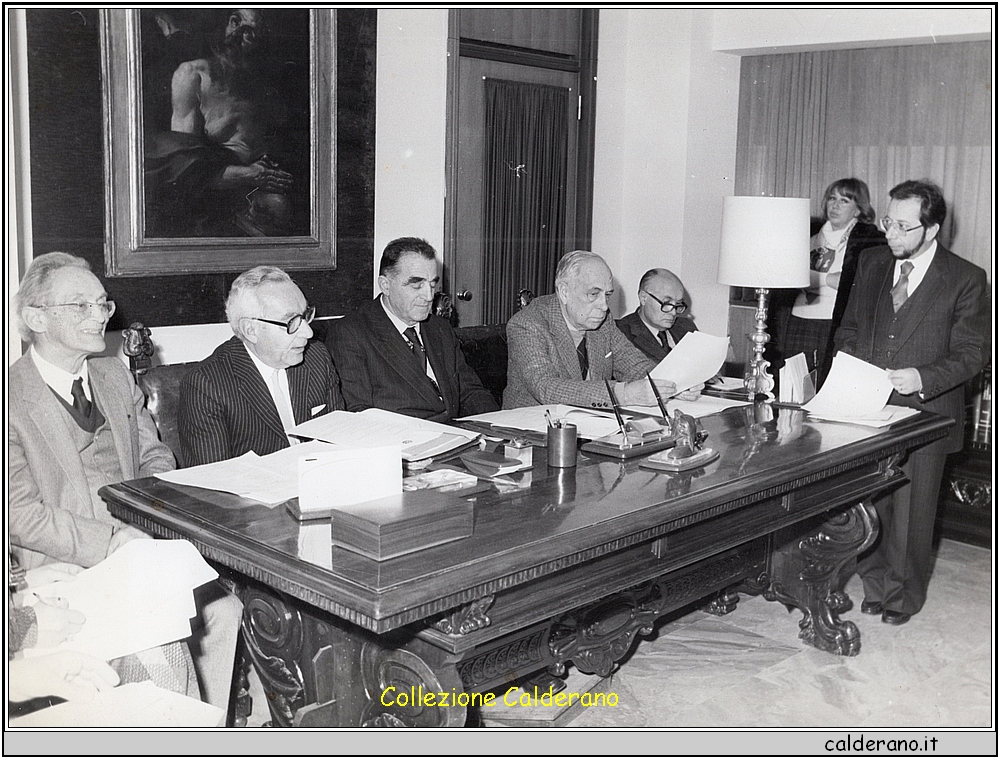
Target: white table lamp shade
765 242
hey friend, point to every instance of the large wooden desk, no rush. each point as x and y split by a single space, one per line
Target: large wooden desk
569 569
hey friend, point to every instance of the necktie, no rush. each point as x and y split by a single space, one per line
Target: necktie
581 354
663 338
80 402
415 345
898 291
281 401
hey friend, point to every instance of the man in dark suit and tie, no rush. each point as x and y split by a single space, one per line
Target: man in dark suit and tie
920 312
263 381
395 355
658 324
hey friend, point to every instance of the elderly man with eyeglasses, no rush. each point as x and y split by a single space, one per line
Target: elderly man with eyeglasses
78 422
661 320
921 313
565 347
264 380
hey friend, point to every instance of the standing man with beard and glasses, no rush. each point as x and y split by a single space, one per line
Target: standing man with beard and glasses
395 355
658 324
261 382
210 175
563 346
77 423
920 312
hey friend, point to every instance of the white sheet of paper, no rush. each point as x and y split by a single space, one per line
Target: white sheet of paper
794 381
137 598
130 705
854 389
698 357
373 428
705 405
337 478
269 479
590 423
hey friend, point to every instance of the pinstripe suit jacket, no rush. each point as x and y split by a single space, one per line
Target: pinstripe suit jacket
637 332
944 334
51 514
378 370
227 410
542 365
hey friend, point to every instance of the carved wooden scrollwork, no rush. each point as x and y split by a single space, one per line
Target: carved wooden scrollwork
273 633
466 619
505 662
595 637
806 580
973 493
397 683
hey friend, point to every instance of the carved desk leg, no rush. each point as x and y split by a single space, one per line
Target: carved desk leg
806 573
320 671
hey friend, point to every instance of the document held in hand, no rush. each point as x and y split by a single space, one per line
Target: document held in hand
854 389
698 357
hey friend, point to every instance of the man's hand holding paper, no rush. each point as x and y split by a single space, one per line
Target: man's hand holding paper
697 358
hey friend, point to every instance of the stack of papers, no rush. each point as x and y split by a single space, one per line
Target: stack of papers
589 423
372 428
139 597
705 405
270 479
796 384
856 391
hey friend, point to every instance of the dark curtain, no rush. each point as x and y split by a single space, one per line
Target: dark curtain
882 115
524 193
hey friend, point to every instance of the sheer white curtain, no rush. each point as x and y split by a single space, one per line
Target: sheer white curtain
882 115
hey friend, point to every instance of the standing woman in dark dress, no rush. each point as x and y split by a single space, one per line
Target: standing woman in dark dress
847 230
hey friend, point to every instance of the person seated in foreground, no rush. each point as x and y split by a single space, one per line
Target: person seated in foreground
562 347
394 354
263 381
76 423
659 322
68 674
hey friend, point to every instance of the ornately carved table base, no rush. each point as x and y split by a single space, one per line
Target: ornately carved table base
808 573
318 670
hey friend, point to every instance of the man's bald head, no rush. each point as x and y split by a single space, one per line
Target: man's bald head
657 287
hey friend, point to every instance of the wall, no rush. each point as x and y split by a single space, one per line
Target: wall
410 108
666 147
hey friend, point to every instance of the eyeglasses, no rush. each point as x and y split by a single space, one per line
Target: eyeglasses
888 225
82 310
293 324
668 307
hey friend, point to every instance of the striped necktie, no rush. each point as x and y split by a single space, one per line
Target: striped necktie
898 291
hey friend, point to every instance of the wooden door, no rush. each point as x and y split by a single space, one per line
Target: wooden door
474 61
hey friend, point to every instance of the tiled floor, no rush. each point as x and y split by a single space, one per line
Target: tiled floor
749 669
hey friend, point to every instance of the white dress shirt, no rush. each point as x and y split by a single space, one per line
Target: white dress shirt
401 327
277 385
60 380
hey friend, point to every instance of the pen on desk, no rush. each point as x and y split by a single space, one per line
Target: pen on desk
659 400
618 413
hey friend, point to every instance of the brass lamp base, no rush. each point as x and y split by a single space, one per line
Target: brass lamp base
757 379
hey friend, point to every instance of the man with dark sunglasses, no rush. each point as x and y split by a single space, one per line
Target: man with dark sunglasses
264 380
661 319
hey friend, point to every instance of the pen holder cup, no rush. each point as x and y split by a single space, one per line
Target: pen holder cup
562 446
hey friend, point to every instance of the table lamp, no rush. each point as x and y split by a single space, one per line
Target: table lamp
765 245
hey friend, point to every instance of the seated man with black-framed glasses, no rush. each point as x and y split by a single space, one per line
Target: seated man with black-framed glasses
661 320
261 382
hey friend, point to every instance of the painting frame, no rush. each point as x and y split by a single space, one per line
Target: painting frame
128 250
